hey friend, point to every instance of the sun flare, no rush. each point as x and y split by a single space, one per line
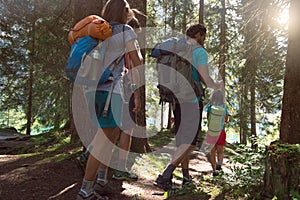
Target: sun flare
283 18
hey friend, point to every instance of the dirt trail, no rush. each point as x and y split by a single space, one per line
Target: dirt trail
35 178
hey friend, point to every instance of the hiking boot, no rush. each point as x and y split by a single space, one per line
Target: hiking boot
124 176
82 196
219 167
81 161
163 183
215 173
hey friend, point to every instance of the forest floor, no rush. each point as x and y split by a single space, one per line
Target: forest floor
53 174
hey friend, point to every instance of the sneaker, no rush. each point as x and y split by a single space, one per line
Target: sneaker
215 173
124 176
82 196
219 167
163 183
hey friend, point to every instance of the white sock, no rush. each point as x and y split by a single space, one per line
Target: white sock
102 176
87 188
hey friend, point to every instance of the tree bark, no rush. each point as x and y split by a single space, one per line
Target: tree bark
253 105
290 117
30 78
201 11
243 110
169 126
282 175
184 20
81 10
140 144
282 172
222 57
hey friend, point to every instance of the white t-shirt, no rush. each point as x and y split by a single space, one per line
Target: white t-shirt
116 46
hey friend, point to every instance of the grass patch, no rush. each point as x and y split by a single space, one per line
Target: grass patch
150 164
162 138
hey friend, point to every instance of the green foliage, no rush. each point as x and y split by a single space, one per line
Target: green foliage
279 149
295 195
247 172
34 35
161 139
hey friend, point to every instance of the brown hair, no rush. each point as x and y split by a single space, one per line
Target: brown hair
117 11
194 29
134 22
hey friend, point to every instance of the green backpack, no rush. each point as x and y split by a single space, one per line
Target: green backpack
216 120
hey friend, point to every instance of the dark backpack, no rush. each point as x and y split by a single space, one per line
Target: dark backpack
175 71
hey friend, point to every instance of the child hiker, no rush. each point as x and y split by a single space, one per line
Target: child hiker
217 115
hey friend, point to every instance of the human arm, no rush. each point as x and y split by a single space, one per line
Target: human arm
200 61
137 60
205 77
226 118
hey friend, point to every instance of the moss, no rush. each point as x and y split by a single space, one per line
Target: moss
288 150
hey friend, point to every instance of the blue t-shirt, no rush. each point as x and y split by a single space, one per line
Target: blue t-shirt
199 58
226 113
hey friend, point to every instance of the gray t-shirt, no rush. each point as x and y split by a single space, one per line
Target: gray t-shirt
115 47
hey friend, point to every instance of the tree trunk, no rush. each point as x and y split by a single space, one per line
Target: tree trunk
169 126
30 78
253 106
184 20
81 10
282 175
242 113
282 172
222 57
173 17
140 144
201 11
290 117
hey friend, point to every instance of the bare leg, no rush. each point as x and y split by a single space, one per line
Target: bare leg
185 162
185 169
213 157
181 153
102 151
124 144
220 153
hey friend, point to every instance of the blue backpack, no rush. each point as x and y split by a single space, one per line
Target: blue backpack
85 64
80 47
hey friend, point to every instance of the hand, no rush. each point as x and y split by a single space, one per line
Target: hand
137 104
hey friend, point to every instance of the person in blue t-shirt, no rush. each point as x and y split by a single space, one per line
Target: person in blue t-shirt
187 113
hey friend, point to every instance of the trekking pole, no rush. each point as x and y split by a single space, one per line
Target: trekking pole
105 110
111 78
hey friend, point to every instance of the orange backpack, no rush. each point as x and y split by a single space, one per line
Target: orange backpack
91 25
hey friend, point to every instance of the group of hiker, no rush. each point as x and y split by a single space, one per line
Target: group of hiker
114 112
